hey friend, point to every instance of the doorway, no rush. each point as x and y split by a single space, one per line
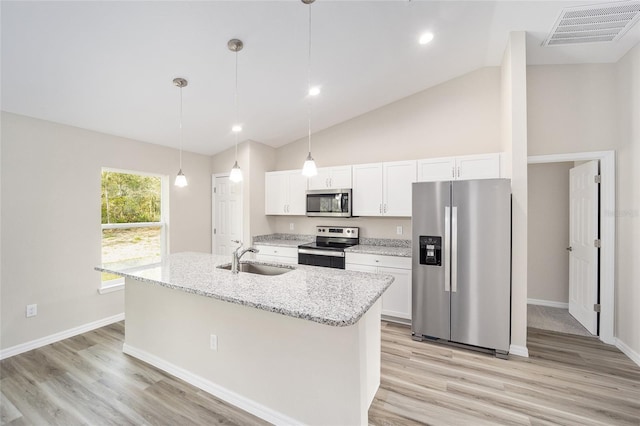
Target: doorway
226 214
605 273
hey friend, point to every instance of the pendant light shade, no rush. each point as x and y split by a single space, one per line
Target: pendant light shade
181 179
309 168
235 46
236 173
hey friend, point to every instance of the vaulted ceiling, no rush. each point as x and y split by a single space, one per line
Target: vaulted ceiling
108 66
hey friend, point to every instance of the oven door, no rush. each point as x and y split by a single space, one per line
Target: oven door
326 258
330 202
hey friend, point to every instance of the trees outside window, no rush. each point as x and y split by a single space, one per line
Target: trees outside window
133 220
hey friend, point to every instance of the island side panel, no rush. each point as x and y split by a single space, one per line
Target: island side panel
278 367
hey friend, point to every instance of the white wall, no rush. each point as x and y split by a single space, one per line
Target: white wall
51 235
254 159
548 232
595 107
514 141
458 117
628 202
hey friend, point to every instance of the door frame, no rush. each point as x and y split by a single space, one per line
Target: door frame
213 207
607 229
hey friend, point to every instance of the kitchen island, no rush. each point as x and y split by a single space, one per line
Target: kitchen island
298 348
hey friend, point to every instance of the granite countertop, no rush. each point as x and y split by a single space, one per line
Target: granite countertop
283 240
380 250
328 296
281 243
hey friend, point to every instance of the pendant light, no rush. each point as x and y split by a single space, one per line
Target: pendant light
181 179
235 46
309 168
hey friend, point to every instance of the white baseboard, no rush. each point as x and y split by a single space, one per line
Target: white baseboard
633 355
550 303
47 340
218 391
519 351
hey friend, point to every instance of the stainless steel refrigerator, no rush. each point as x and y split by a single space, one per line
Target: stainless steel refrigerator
461 280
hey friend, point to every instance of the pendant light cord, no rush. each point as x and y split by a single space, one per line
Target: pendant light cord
237 109
181 128
309 81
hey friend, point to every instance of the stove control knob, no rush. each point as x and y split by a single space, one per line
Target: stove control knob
348 231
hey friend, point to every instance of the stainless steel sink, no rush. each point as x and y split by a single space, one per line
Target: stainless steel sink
259 268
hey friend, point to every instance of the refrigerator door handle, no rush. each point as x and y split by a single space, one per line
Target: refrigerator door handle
454 249
447 249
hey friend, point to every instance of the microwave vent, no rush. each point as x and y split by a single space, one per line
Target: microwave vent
595 23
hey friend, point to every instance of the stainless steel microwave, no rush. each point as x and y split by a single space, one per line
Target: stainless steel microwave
329 202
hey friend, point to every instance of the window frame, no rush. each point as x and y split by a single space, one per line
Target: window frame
116 284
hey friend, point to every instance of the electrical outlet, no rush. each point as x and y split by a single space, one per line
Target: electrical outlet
399 230
213 342
32 310
291 226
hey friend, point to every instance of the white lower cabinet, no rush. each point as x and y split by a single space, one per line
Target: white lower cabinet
396 301
277 254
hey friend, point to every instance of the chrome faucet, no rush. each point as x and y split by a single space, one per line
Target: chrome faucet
237 255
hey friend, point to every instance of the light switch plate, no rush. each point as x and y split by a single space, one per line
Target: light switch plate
291 226
32 310
399 230
213 342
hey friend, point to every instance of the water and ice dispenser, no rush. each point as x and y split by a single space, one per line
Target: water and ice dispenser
430 250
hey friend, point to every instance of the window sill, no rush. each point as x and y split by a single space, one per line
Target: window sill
111 286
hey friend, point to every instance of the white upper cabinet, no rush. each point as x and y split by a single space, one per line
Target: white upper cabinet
285 193
367 190
397 179
485 166
383 189
331 178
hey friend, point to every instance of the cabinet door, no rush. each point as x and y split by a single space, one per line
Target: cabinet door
275 193
398 177
367 189
321 180
360 268
436 169
340 177
396 301
478 167
297 194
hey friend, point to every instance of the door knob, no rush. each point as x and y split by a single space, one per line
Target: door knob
569 249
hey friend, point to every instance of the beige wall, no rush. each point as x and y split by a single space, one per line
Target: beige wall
254 159
51 233
595 107
548 236
458 117
628 201
514 141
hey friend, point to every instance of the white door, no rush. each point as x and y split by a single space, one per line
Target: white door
227 212
583 255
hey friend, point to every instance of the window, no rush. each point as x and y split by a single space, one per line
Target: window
133 222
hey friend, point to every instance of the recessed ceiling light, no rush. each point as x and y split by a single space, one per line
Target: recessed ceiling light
236 128
314 91
425 38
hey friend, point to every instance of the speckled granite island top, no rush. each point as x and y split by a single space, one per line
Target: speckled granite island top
328 296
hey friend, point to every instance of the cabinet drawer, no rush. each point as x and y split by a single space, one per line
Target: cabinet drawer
378 260
278 251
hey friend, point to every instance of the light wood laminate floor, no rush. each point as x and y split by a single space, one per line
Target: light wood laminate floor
571 380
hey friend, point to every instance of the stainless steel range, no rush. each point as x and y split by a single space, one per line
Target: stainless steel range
328 249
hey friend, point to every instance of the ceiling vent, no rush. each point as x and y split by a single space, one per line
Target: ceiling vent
595 23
